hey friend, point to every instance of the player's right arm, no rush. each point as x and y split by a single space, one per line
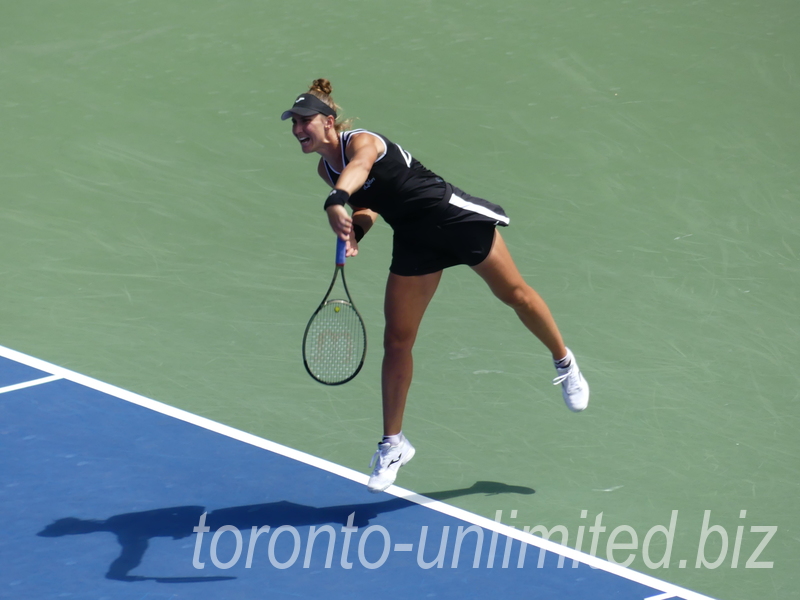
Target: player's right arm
362 217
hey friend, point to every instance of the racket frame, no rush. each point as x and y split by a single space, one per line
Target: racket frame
341 249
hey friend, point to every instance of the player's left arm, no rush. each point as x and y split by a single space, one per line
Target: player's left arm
363 220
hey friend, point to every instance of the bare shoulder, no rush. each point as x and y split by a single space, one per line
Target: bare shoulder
365 143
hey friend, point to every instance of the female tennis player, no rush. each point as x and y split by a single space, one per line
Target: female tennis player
436 225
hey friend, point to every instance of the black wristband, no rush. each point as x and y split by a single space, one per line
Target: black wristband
359 232
336 198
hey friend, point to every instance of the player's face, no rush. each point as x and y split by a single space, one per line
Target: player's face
309 131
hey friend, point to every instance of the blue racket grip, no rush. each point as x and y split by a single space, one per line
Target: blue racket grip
341 250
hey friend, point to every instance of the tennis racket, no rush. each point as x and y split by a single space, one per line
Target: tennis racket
335 340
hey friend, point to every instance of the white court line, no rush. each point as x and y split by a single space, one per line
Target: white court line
248 438
27 384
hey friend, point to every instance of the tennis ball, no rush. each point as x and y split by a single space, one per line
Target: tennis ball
336 309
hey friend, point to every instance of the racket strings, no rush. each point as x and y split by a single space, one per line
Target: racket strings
335 342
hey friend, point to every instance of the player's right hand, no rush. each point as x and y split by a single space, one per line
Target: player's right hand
340 221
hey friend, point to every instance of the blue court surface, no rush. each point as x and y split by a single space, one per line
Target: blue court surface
107 494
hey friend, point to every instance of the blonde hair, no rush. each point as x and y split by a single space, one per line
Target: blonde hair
322 89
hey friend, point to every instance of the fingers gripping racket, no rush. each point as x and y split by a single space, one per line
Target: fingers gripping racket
335 340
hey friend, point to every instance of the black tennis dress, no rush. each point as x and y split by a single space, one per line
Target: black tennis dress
436 225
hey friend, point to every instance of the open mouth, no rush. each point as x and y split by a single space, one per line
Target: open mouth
304 141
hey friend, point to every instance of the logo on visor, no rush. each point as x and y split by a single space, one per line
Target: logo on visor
300 99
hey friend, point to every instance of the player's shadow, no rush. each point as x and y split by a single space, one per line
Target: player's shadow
135 530
490 488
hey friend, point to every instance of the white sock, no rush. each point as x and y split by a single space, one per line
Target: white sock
563 363
394 440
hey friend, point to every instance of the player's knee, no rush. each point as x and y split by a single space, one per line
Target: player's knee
398 339
516 297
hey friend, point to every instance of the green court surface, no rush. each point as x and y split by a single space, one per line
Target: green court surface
162 231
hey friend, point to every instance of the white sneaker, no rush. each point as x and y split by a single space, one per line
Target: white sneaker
387 460
573 386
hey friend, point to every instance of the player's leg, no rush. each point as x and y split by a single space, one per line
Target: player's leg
404 305
506 282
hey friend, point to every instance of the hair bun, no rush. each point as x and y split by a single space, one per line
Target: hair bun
321 85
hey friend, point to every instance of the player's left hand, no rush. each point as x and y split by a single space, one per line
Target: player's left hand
352 246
